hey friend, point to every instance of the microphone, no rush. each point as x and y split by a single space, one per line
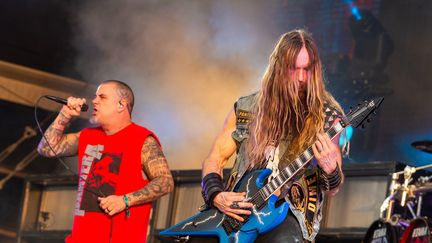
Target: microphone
84 107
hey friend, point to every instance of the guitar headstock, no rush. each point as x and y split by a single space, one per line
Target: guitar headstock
361 113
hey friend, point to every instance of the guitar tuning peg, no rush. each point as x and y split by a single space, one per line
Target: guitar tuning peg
368 120
374 112
363 126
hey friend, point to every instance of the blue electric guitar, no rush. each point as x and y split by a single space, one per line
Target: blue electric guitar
265 215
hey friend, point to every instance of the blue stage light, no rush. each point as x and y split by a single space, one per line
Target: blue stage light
346 136
354 10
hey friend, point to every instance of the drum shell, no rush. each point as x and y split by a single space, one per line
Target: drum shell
381 231
419 231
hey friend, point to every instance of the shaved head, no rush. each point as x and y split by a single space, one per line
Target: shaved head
124 93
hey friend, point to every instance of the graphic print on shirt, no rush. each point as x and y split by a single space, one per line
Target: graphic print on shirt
99 172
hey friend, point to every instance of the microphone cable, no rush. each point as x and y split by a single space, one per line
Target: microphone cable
98 193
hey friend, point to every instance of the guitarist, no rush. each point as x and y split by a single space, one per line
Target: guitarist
268 129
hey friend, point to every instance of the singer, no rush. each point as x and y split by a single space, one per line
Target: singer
121 167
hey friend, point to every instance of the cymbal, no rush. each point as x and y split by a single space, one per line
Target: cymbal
422 188
425 146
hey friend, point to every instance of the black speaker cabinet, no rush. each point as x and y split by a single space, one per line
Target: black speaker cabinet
10 199
47 208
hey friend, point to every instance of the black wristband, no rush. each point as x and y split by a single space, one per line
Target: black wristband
211 185
332 180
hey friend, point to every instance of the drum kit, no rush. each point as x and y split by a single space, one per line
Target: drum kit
405 214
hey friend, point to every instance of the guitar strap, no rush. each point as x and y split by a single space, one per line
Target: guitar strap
243 109
304 195
306 201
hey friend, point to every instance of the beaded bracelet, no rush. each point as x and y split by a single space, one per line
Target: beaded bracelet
126 200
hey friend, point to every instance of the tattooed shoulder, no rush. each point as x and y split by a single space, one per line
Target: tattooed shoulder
151 150
153 159
155 167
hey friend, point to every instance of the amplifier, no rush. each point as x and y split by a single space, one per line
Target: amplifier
348 214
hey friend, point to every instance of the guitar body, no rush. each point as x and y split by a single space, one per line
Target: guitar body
212 222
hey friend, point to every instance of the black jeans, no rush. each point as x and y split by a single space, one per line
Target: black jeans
288 231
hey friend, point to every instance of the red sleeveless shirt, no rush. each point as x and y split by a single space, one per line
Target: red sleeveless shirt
109 165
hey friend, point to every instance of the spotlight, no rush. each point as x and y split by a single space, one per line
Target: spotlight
355 12
373 45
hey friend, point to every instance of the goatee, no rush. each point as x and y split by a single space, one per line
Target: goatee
93 121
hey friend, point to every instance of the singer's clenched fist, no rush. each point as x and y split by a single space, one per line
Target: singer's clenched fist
112 204
73 107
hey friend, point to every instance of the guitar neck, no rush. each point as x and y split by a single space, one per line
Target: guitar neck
295 166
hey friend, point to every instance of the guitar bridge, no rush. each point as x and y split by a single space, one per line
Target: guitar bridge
231 225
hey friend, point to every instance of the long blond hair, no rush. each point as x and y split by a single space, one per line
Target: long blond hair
280 112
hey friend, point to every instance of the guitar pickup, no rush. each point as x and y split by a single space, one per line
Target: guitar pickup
227 227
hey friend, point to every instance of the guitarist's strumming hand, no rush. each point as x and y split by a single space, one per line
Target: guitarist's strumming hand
327 153
232 204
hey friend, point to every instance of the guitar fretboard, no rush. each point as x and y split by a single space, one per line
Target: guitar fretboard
291 169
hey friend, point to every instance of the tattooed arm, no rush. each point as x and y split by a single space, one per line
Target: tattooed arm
62 144
155 167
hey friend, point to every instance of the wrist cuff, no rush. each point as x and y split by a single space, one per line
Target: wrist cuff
211 185
330 181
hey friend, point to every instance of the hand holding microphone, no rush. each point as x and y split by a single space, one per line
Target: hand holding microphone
71 107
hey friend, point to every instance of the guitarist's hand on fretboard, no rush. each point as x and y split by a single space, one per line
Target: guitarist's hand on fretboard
327 153
224 201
